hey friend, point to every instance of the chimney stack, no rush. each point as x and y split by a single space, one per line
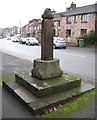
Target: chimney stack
73 6
53 11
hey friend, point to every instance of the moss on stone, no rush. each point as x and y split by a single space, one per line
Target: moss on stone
70 77
60 80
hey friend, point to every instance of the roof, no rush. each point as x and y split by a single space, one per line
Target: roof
81 10
25 26
58 16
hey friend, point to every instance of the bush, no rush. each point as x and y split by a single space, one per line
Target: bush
89 38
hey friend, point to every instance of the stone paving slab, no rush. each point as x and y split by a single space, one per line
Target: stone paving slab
38 105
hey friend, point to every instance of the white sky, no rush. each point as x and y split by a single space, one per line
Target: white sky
14 11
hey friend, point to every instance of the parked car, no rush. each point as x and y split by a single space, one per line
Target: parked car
22 40
15 39
59 42
32 41
0 37
8 38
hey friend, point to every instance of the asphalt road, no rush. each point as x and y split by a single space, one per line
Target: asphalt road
80 61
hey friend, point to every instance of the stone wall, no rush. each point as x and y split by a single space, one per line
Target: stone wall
57 28
76 27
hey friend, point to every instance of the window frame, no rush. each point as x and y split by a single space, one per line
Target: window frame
68 20
84 18
75 18
83 31
68 32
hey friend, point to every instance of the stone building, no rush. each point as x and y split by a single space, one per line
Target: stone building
1 32
24 31
57 19
77 21
70 24
6 32
9 31
32 29
15 30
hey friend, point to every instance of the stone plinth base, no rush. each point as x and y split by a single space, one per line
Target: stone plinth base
46 69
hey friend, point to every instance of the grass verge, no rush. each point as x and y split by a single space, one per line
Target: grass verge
7 78
67 108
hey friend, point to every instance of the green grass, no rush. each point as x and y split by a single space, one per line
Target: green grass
92 46
70 107
7 78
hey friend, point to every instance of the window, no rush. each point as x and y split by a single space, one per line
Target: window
75 19
59 23
68 33
68 20
83 31
84 18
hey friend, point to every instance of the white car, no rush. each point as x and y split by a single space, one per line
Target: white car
8 38
59 42
23 40
15 39
32 41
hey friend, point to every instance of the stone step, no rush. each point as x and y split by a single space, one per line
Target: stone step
42 88
37 105
22 92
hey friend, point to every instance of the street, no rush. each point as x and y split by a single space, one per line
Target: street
80 61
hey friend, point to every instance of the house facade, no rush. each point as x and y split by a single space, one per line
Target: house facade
71 24
24 31
57 19
32 29
9 31
77 21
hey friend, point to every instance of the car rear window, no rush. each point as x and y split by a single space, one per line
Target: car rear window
62 39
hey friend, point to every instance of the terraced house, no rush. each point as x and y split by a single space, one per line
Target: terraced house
77 21
71 24
32 29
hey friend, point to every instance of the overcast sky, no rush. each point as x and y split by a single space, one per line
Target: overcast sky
14 11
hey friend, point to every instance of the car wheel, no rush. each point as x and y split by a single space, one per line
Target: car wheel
29 44
64 47
54 46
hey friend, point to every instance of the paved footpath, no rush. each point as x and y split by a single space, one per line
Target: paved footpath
11 108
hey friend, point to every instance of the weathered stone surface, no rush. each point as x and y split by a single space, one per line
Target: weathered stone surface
46 69
47 14
47 35
38 105
41 88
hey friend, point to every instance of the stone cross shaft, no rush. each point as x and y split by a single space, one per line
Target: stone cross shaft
46 67
47 35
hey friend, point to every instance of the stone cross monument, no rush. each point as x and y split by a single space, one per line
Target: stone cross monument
46 67
47 35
